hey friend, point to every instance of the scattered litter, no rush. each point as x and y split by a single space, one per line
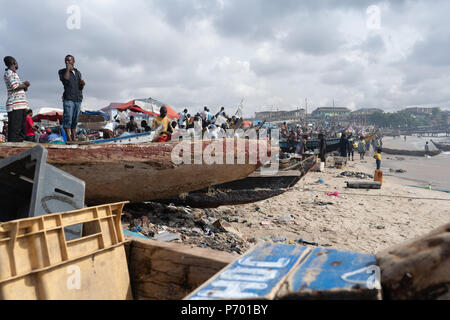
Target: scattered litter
279 239
286 218
266 223
335 194
360 175
181 224
321 180
397 170
380 227
321 203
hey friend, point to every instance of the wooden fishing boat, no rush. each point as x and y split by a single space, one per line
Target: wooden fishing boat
413 153
254 188
143 172
442 146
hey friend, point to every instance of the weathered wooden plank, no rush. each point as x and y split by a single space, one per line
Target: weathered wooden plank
418 269
257 275
332 274
170 271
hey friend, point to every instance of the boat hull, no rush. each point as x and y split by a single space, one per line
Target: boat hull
442 146
413 153
143 172
249 190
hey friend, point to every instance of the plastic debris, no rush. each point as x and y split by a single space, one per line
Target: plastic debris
167 236
335 194
279 239
321 180
266 223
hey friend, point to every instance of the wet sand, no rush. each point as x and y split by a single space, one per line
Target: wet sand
421 171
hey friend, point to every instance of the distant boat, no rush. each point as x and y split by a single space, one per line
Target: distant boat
139 172
442 146
251 189
414 153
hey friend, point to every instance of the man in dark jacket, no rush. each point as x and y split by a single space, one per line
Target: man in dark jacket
322 148
73 96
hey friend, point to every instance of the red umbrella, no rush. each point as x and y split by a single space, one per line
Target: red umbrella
148 106
49 116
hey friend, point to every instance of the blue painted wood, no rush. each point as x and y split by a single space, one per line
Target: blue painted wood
300 272
102 141
257 275
330 272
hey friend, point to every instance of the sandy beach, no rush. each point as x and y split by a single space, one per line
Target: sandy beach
357 220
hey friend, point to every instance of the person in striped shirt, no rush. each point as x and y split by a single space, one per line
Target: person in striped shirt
16 104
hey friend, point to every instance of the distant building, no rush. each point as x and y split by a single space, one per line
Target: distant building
419 111
293 115
330 112
366 111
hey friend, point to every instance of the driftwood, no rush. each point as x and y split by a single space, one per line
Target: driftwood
418 269
170 271
364 185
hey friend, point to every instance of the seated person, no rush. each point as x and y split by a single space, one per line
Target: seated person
145 127
164 121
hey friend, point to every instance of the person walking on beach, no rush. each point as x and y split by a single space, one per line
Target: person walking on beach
361 149
351 151
427 147
377 157
17 103
73 96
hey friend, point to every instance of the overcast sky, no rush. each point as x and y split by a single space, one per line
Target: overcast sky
272 53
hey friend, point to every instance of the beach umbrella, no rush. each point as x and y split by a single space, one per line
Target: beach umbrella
148 106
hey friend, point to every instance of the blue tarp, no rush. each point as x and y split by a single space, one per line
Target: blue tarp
96 113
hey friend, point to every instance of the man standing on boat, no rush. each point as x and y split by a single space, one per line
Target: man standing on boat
73 96
17 103
164 121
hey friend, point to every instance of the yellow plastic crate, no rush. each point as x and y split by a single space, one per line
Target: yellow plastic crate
38 263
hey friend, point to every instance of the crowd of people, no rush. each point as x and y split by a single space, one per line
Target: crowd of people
20 127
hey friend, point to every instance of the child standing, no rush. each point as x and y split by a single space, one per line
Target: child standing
377 157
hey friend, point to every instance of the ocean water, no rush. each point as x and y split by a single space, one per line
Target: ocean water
421 171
